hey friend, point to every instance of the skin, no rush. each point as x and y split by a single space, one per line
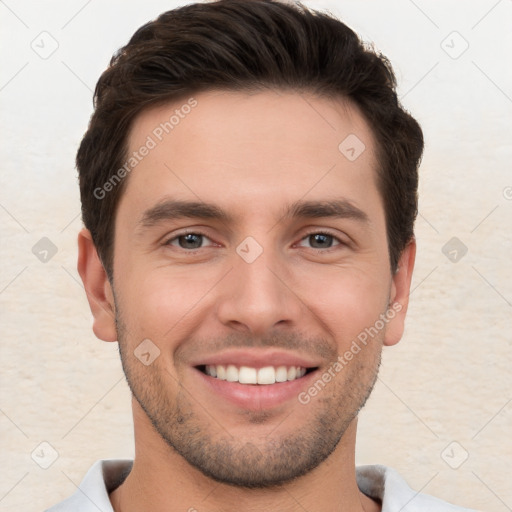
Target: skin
305 298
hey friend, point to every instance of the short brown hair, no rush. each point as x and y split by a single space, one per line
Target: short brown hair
246 45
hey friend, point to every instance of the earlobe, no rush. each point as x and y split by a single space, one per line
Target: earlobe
97 287
399 294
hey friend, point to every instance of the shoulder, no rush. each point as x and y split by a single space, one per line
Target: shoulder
386 484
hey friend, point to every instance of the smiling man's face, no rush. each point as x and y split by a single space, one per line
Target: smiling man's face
249 247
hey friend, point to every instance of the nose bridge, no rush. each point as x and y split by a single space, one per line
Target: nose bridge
255 297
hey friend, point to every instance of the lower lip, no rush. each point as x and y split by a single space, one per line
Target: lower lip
257 397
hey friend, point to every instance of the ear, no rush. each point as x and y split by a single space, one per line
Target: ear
97 287
399 296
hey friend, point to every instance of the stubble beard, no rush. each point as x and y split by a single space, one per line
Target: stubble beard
266 462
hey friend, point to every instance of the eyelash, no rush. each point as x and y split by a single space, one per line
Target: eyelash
310 233
179 235
324 232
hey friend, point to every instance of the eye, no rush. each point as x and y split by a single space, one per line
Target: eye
320 241
189 241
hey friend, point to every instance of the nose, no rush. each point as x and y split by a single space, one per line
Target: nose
257 297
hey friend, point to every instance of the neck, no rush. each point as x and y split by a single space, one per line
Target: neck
161 480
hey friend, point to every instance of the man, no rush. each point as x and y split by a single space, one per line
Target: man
249 189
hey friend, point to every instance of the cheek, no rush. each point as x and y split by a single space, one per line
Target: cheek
347 301
162 300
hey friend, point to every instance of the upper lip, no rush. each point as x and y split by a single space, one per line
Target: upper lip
257 359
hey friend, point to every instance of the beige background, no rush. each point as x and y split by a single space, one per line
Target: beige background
448 381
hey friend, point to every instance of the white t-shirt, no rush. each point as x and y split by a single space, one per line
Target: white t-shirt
378 482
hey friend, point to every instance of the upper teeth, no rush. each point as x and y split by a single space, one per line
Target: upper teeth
247 375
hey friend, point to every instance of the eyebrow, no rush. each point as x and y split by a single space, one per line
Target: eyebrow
337 208
171 209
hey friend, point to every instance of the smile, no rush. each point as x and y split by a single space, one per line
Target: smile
249 375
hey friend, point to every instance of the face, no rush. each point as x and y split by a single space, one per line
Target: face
250 260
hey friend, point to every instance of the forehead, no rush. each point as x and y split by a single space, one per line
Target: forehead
242 149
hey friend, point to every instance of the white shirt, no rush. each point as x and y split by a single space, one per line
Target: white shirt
377 481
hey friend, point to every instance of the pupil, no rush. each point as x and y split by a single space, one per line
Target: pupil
190 241
321 241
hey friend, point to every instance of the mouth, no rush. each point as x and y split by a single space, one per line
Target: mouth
255 380
263 376
255 388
